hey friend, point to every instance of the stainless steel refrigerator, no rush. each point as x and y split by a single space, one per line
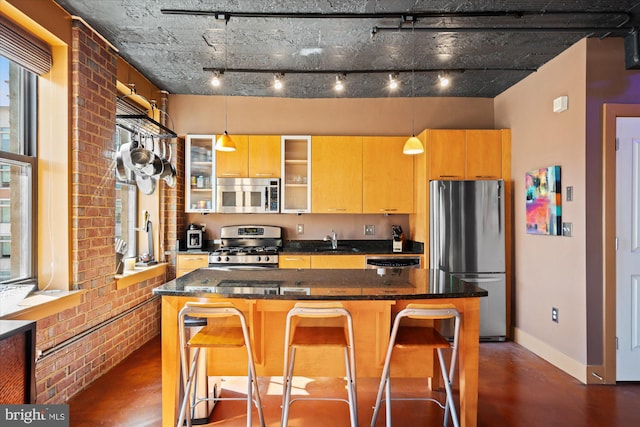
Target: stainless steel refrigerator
467 239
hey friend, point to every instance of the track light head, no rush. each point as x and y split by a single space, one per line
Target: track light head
278 81
393 81
339 86
443 77
215 80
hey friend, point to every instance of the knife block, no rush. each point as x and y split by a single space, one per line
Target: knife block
397 245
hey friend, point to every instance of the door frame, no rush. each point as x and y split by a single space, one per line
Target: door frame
610 113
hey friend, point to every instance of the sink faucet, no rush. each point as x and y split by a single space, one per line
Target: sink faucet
334 239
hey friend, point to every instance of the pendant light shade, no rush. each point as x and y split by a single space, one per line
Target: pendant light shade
225 143
413 146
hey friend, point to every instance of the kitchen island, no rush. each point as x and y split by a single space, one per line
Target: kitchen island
372 296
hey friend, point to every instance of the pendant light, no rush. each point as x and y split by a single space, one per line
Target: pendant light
224 142
413 144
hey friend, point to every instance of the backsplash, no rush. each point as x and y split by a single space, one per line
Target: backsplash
316 226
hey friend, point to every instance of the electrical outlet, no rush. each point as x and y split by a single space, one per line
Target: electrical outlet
369 230
300 228
554 314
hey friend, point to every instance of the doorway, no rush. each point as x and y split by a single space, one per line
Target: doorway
611 113
628 248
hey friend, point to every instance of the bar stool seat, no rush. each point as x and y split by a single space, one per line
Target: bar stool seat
403 336
316 325
226 328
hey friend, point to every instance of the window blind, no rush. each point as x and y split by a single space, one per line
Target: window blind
22 48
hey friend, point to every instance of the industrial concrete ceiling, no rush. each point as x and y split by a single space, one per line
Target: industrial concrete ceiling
486 46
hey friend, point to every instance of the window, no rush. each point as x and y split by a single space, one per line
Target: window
18 113
126 202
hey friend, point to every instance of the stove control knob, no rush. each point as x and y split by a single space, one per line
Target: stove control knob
226 259
219 258
258 258
266 259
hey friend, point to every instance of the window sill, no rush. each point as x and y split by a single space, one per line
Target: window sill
139 274
44 304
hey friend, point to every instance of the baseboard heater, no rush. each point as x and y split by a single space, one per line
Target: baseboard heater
66 343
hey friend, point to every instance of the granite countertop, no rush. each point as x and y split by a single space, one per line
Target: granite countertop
288 284
352 247
345 247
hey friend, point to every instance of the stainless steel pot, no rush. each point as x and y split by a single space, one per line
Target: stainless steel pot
140 154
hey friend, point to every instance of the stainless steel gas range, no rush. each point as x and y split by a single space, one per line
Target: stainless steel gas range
247 247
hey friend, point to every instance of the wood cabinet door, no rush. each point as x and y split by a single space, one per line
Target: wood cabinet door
234 164
336 174
189 262
338 261
387 175
484 154
447 154
264 156
294 261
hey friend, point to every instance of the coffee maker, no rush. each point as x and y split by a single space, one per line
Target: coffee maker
195 235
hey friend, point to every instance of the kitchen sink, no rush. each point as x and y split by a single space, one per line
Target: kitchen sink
338 249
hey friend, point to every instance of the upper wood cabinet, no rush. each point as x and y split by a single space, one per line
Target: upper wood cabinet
256 156
484 154
336 174
447 154
465 154
234 164
387 175
264 156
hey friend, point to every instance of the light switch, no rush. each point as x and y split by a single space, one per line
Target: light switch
566 229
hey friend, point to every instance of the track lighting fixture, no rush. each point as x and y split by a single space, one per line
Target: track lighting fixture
443 77
277 81
339 86
224 142
215 80
413 145
393 81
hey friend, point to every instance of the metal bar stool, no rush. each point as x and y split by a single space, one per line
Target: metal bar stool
222 332
422 337
307 326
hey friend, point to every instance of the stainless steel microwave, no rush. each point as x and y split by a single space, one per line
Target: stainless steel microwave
248 195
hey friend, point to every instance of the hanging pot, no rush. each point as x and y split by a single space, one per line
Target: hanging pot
146 184
169 172
121 169
140 154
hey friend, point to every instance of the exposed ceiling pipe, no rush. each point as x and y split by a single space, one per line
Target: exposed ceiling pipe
403 16
363 71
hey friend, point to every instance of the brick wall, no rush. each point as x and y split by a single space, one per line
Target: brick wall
110 323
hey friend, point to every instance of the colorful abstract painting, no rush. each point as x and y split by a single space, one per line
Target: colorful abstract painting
544 201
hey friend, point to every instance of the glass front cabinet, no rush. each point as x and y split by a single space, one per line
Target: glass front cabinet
296 174
200 173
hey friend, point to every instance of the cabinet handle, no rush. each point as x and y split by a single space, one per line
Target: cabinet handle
450 176
293 259
264 174
233 174
192 259
486 177
388 209
337 209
